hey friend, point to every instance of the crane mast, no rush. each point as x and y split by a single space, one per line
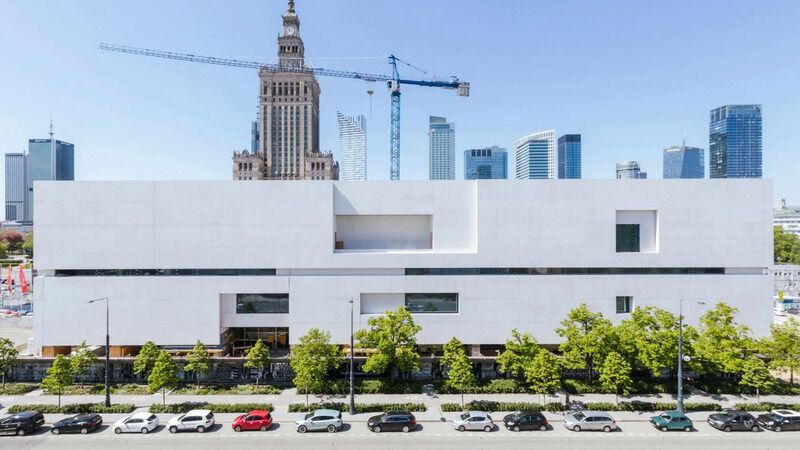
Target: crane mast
393 82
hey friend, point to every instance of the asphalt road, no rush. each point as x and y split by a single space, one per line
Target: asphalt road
429 435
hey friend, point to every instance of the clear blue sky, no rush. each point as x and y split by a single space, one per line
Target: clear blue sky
631 76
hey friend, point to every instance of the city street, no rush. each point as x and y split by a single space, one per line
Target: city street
440 435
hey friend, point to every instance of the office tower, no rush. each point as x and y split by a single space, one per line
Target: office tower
684 162
352 147
536 155
630 169
441 148
48 159
254 138
569 156
734 141
490 163
15 186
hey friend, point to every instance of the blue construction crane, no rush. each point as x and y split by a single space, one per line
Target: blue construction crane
393 82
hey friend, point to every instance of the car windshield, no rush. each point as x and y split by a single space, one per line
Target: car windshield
666 416
724 415
181 417
151 418
308 416
465 416
579 416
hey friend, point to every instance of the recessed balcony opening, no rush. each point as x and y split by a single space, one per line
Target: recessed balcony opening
383 233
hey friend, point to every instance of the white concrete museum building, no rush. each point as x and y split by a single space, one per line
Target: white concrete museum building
228 262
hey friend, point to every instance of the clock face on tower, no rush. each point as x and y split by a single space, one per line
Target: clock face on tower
290 30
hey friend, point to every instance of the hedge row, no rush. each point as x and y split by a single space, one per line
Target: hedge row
17 388
499 386
75 408
179 408
651 406
484 405
765 406
239 389
341 387
360 407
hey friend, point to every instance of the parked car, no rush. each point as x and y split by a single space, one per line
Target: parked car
780 420
590 420
22 423
329 420
80 423
525 420
731 420
254 420
195 420
672 420
136 423
392 421
473 421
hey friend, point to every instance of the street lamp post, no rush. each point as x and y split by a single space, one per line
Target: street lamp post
680 354
352 396
108 351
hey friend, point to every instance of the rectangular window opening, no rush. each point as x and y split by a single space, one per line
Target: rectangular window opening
624 304
432 303
262 303
628 238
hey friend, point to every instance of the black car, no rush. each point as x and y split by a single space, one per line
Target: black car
525 420
22 423
780 420
81 423
733 421
392 421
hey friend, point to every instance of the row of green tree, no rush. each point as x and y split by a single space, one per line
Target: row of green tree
13 242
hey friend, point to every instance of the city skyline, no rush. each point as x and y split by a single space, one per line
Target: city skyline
128 120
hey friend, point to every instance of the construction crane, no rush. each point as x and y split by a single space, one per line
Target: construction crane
393 82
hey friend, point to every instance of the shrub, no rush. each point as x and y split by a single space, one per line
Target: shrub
240 389
765 406
342 387
498 386
486 405
360 407
179 408
75 408
650 406
17 388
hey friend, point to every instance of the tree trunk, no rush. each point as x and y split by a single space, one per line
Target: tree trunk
59 399
306 398
164 397
758 396
791 377
258 376
462 399
4 380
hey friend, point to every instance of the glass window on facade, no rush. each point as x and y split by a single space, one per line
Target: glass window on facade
262 303
627 238
624 304
432 303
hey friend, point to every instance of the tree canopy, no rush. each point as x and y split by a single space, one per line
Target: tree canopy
649 339
543 374
311 360
59 377
164 375
82 361
258 359
586 338
8 356
755 375
198 361
146 358
394 337
519 353
615 375
460 376
783 347
723 344
787 247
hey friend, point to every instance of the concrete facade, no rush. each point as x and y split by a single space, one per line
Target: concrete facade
517 253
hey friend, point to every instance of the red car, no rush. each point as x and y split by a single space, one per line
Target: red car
254 420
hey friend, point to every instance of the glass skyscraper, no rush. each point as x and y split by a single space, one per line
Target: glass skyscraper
442 148
489 163
353 147
15 186
684 162
569 156
630 170
47 162
535 156
735 142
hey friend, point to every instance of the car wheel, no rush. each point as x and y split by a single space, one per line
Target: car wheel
664 428
687 429
607 429
117 430
461 428
727 429
20 432
516 427
264 428
84 430
376 429
487 428
201 429
543 428
145 430
778 429
302 429
754 428
173 429
237 428
576 428
55 430
331 429
406 429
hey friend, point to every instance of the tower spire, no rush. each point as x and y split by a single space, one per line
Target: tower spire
291 7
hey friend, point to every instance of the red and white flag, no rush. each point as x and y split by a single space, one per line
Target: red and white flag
8 281
23 283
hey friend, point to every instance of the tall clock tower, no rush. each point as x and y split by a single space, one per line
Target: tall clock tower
289 108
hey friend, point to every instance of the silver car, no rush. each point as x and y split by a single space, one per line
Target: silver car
473 420
590 420
321 419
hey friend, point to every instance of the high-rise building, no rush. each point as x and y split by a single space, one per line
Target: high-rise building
734 142
254 138
352 147
15 186
490 163
630 169
48 159
536 155
569 156
288 113
684 162
441 148
321 166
